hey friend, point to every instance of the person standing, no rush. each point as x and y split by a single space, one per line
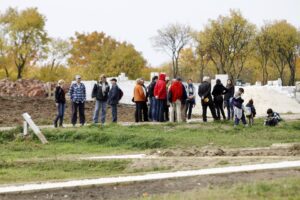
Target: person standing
160 93
166 102
204 93
152 110
78 97
191 96
60 102
228 99
139 99
144 103
100 93
114 96
175 97
238 108
218 92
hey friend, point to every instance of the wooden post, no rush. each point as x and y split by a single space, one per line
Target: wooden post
35 128
25 128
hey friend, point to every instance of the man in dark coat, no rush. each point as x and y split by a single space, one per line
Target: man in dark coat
100 93
114 96
204 93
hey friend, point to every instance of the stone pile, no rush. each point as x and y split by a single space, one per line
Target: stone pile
25 88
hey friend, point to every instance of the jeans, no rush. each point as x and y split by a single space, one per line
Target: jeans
175 110
100 105
229 108
189 109
237 120
60 114
114 112
152 110
160 110
75 107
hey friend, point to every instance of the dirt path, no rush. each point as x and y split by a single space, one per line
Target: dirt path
139 189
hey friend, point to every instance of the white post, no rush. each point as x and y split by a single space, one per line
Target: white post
35 128
25 128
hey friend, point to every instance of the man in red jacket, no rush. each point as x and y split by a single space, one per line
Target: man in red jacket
175 97
160 93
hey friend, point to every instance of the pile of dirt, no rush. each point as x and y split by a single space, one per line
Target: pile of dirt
25 88
43 111
288 150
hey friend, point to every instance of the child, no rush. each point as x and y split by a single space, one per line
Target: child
237 102
250 111
273 118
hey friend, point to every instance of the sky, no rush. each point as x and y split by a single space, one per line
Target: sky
137 21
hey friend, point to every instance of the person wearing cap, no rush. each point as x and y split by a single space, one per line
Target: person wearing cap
100 93
60 102
204 92
114 96
78 97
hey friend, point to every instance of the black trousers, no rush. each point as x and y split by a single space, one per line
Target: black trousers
211 106
75 108
220 109
145 111
138 111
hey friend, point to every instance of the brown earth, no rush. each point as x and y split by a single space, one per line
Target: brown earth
140 189
43 111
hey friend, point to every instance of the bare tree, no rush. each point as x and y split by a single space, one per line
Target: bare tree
172 39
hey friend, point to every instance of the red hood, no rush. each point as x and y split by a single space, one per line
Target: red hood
162 77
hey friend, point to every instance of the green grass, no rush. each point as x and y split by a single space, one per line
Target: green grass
287 188
22 159
12 172
114 139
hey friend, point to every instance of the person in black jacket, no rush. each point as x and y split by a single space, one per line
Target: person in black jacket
204 92
60 102
150 89
218 92
228 99
100 93
114 96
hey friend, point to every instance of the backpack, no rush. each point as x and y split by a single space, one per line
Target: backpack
120 93
248 111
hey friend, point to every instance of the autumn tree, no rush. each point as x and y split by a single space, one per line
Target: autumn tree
26 35
96 53
172 39
4 57
285 47
228 40
263 51
58 52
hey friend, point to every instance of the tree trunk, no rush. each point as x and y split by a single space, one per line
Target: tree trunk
292 75
6 72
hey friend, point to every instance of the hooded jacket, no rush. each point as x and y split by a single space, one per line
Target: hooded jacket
176 91
160 89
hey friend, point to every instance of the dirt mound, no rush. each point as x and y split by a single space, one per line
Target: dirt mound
25 88
288 150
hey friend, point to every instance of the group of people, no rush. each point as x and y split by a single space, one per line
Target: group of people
102 92
168 100
162 100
